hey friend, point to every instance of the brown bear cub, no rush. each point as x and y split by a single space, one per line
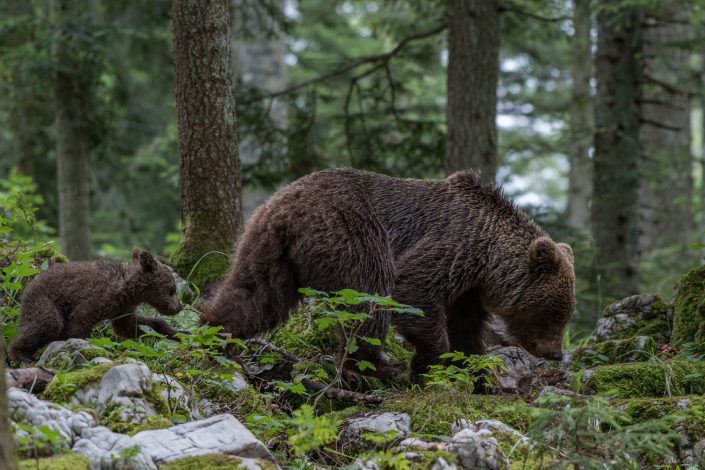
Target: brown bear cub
455 248
69 299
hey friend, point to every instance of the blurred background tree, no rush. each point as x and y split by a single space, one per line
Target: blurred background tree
403 87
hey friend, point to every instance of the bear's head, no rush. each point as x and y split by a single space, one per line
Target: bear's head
539 298
156 283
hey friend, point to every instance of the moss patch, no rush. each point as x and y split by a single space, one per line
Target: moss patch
689 308
212 462
648 379
196 262
433 411
63 386
240 404
644 409
62 462
613 351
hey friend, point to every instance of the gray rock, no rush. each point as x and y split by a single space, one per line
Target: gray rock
609 327
442 464
520 365
478 449
25 408
125 388
237 383
382 423
222 434
108 450
64 352
207 407
146 450
172 391
414 443
100 360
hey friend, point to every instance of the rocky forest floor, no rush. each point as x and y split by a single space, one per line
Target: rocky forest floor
630 397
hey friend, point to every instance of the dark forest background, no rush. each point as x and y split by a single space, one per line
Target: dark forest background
588 113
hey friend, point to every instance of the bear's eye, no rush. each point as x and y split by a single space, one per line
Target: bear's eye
172 290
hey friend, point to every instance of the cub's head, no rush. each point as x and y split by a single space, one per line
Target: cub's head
156 282
541 299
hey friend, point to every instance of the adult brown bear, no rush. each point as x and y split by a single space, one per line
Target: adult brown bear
454 248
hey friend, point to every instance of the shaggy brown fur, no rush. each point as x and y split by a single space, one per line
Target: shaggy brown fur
454 248
69 299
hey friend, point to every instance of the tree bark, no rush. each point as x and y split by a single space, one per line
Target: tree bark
615 206
8 458
473 71
73 88
667 185
208 150
581 120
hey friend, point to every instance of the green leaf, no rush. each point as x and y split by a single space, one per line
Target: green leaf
364 365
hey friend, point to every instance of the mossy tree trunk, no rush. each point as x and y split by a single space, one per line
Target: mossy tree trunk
208 149
615 206
8 458
73 80
473 72
581 118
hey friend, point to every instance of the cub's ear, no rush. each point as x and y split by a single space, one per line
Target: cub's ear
567 251
543 256
146 259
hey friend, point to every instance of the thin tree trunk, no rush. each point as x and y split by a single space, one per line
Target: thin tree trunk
473 71
667 184
208 150
73 87
581 119
8 458
615 206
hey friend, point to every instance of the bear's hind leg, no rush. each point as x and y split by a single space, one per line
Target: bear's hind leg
36 330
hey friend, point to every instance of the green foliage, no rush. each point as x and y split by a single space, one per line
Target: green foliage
36 441
466 374
311 432
567 433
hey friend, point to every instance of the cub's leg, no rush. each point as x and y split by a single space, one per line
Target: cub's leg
158 325
40 324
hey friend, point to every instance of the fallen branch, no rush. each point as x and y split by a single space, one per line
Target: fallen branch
340 394
266 344
34 379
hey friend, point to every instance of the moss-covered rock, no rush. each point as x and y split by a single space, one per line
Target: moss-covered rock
613 351
61 462
648 379
637 315
689 308
63 386
214 462
433 411
692 408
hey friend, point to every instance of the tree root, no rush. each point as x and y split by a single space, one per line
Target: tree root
340 394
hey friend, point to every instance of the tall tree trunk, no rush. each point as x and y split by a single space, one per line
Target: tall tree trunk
581 118
667 171
8 458
210 167
73 89
615 206
473 71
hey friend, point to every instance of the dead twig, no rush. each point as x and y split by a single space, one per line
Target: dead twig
340 394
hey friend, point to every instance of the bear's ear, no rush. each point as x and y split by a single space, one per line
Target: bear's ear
544 256
567 251
146 259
